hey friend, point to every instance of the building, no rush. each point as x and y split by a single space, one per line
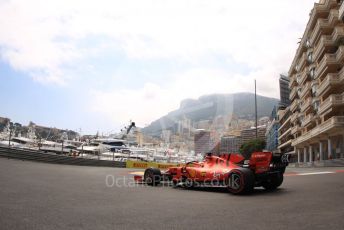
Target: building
284 91
204 124
317 86
284 131
276 137
184 127
230 144
202 140
250 134
272 131
166 135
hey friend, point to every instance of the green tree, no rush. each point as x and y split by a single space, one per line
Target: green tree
250 147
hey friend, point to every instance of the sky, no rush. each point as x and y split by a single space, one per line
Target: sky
96 65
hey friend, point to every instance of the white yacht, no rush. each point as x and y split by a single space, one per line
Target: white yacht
20 142
55 147
99 146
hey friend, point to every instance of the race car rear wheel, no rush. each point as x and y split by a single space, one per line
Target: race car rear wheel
152 176
273 181
240 181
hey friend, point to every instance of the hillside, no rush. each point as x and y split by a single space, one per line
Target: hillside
210 106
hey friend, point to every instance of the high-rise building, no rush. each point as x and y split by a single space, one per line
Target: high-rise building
272 131
284 131
283 118
202 140
166 135
284 90
317 86
250 134
230 144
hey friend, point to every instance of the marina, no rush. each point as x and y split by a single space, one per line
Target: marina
118 149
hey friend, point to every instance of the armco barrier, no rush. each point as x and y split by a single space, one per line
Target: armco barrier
35 155
144 165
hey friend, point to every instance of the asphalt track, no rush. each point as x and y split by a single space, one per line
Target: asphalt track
46 196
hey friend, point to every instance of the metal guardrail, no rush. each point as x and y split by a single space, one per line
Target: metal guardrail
39 156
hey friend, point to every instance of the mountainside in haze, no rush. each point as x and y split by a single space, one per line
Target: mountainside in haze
209 107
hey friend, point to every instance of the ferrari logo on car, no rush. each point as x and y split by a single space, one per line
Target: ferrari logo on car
192 173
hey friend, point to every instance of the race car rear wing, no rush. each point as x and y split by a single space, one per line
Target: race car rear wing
262 162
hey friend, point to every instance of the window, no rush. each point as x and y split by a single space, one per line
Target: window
308 44
297 68
316 105
301 118
314 89
312 73
310 57
299 91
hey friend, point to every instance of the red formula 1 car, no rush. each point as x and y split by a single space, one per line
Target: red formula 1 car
231 170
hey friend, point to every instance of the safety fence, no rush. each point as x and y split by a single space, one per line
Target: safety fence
36 155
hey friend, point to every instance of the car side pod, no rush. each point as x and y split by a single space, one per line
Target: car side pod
240 181
152 176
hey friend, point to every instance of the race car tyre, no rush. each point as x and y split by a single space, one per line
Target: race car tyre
189 183
273 182
240 181
174 183
152 176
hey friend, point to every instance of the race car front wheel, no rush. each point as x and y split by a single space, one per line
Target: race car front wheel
152 176
240 181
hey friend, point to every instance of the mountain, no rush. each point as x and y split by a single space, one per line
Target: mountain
211 106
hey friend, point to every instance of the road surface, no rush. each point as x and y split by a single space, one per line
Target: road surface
47 196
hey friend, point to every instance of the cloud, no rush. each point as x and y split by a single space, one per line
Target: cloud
41 38
138 105
146 104
252 32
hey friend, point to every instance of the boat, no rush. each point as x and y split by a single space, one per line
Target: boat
102 145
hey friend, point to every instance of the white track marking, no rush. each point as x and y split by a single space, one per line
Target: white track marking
314 173
137 173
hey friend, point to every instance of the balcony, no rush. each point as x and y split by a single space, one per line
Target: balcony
307 120
306 88
293 93
286 124
325 41
321 10
338 33
303 76
341 12
324 26
292 82
293 117
302 61
284 134
332 79
328 41
306 104
284 144
340 54
331 125
331 101
295 129
330 59
294 105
